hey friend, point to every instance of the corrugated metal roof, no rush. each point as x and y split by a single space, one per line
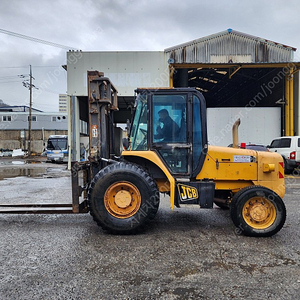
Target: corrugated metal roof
231 46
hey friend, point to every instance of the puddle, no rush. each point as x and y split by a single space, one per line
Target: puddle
17 162
35 168
11 173
20 162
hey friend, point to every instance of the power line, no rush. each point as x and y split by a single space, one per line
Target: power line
23 67
26 37
26 67
13 76
10 81
47 66
48 90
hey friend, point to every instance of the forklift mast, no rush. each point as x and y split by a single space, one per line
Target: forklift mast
102 102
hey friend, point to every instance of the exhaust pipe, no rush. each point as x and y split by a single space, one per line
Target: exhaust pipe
235 133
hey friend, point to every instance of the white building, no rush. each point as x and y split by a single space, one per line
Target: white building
14 124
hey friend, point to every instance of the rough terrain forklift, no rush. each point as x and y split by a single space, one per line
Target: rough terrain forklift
167 151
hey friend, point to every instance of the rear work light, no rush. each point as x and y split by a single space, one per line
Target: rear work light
293 155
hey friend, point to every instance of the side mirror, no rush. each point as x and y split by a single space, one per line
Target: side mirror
125 143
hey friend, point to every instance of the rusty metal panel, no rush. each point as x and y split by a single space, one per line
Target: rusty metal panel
236 46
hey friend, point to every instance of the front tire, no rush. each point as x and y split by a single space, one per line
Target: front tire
123 197
257 211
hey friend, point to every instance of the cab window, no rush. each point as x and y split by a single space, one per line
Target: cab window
197 132
169 119
169 128
139 126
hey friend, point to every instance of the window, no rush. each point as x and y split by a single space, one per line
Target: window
281 143
285 143
33 118
57 144
197 132
56 119
169 119
139 126
169 128
6 118
83 127
275 144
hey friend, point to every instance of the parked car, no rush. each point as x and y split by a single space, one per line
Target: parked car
252 147
257 147
289 148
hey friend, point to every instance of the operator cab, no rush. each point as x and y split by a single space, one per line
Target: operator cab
171 122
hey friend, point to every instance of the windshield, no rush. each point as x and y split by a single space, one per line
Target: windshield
57 144
281 143
138 135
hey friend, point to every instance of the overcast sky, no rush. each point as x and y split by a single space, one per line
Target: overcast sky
112 25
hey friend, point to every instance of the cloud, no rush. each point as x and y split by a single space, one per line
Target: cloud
118 25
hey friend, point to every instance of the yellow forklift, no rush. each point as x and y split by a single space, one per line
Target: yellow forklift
167 151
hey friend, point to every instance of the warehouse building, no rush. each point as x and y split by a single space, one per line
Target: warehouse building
238 74
14 123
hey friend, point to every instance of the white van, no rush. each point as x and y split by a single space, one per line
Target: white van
289 148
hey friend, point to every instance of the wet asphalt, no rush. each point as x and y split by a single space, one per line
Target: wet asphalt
188 253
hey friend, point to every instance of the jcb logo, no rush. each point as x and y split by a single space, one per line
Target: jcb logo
187 192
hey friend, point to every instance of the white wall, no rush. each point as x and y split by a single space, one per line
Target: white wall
127 70
259 125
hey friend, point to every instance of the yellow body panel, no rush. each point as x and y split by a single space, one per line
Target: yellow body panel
153 157
271 179
230 168
220 164
221 167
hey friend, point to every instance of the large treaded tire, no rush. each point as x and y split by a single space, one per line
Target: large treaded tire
257 211
133 180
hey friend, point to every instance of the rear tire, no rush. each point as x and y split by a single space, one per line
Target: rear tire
287 170
123 197
257 211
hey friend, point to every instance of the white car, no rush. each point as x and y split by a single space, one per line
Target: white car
289 148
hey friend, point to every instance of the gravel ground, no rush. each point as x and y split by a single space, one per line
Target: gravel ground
187 253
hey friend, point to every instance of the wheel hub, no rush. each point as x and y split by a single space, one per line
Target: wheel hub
258 212
123 199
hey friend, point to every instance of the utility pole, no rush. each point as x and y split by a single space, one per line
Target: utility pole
30 111
29 86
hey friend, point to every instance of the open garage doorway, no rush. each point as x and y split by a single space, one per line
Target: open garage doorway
246 86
